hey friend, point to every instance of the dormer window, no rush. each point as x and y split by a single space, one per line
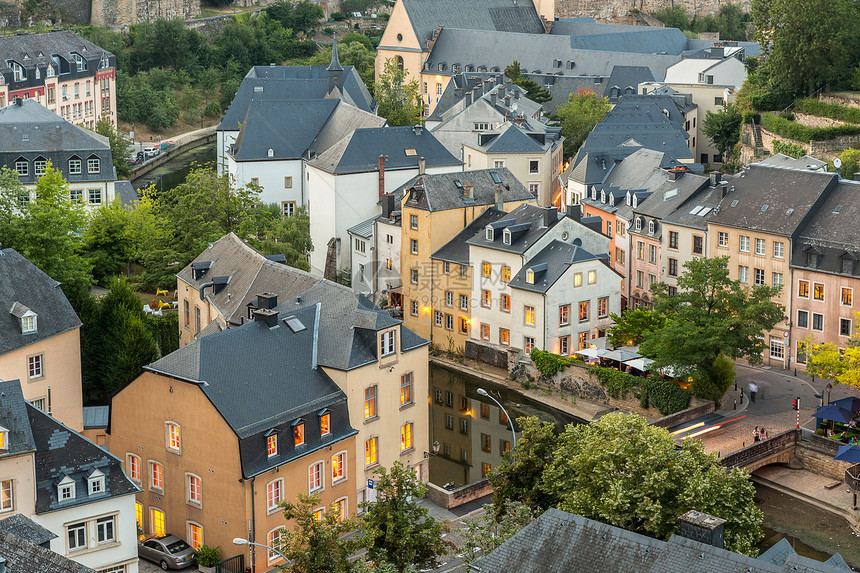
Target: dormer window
386 343
638 224
489 233
603 196
272 443
29 323
66 489
530 277
506 236
325 422
96 482
299 432
812 259
4 439
651 226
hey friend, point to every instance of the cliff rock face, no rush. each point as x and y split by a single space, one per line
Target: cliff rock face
16 13
128 12
616 11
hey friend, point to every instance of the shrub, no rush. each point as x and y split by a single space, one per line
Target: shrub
770 101
667 396
792 130
790 149
549 364
831 110
617 383
208 556
213 109
750 116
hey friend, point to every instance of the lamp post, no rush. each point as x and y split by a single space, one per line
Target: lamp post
486 394
436 446
829 387
242 541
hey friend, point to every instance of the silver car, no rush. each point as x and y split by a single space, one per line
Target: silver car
170 552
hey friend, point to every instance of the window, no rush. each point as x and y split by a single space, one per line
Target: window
485 331
338 467
133 465
96 482
619 256
534 166
272 445
803 288
640 279
449 298
698 245
92 165
174 441
255 181
529 315
847 266
413 221
577 279
74 166
6 495
389 264
156 522
325 424
156 476
194 492
505 303
274 494
640 250
339 509
564 345
273 539
360 245
66 489
446 267
449 322
564 315
744 244
437 316
449 421
76 195
673 267
288 209
315 476
464 426
758 276
603 307
370 402
486 298
406 437
844 327
673 239
722 239
817 291
638 224
414 308
299 433
95 196
777 279
534 189
743 274
802 319
195 535
583 311
35 366
777 250
652 254
759 247
817 321
528 344
414 246
486 269
39 167
592 277
406 383
609 229
847 296
777 347
76 536
371 447
464 271
506 274
464 302
28 324
504 337
498 163
387 343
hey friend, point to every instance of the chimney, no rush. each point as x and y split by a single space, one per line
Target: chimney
715 178
718 52
422 165
857 177
502 90
508 101
702 527
387 205
550 216
267 300
267 316
497 196
574 212
724 190
493 98
675 174
19 102
468 98
516 94
381 176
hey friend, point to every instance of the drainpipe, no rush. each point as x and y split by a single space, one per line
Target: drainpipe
252 549
381 176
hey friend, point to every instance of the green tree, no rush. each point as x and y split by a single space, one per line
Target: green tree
850 162
107 242
733 23
301 17
316 544
517 478
290 236
827 360
398 530
579 116
489 531
711 315
674 17
399 102
119 145
631 327
622 471
723 129
534 91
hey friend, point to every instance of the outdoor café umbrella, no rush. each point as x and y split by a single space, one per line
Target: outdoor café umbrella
835 413
640 363
848 454
591 352
851 404
619 355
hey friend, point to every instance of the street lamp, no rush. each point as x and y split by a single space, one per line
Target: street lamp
486 394
829 387
241 541
436 446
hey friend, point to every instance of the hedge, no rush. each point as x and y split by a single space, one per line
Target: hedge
790 149
617 383
665 395
549 364
749 116
793 130
831 110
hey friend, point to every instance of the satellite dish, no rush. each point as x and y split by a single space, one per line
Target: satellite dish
837 163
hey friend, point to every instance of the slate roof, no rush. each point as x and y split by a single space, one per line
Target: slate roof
23 283
364 229
126 193
698 210
832 233
665 199
624 77
782 553
805 162
553 261
96 417
493 15
23 556
26 529
512 139
530 223
457 250
14 417
440 192
558 542
359 152
772 199
560 87
286 127
251 274
37 50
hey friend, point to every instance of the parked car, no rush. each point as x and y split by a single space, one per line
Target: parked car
150 151
138 158
169 551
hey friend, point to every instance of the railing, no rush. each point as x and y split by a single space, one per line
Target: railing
760 450
852 478
232 565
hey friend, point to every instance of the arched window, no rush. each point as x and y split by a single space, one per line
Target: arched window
400 63
651 226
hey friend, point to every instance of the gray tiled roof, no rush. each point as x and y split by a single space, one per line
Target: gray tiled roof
13 417
22 282
494 15
560 542
805 162
27 529
439 191
557 256
831 232
287 127
23 556
457 250
364 229
126 193
772 199
669 195
512 139
587 34
530 221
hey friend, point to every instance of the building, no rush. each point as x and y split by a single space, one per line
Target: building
561 541
277 135
67 74
434 208
388 238
730 72
757 227
24 556
31 137
803 162
347 182
67 485
825 273
40 339
221 431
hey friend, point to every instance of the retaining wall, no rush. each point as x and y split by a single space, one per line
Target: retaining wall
819 462
459 496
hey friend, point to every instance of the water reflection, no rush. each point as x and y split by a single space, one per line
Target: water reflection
472 431
173 172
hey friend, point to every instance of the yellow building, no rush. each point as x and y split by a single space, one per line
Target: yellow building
434 209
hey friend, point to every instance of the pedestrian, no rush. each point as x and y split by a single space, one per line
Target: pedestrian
753 391
762 434
755 434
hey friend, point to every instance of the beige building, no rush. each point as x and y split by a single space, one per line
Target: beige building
40 339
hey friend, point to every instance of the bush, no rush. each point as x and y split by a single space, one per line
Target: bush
617 383
790 149
667 396
213 109
793 130
831 110
208 556
751 116
337 16
771 101
549 364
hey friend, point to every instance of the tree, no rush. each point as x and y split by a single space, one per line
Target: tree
622 471
489 531
732 21
579 116
301 17
399 102
517 478
398 530
711 315
723 129
674 17
631 327
314 543
290 236
119 145
534 91
107 243
828 360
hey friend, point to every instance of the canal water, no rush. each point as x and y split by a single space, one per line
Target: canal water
174 170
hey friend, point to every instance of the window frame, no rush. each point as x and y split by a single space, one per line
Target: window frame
93 165
79 530
407 386
338 468
156 484
132 466
193 495
407 437
371 452
173 433
316 476
370 409
274 494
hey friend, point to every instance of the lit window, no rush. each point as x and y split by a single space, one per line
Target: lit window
504 336
133 467
174 441
564 315
406 389
485 331
138 518
506 274
338 467
339 508
6 495
818 291
273 539
273 494
387 346
583 311
156 474
299 434
530 276
370 451
577 279
486 298
803 289
194 489
405 437
529 312
505 302
325 424
487 270
370 402
603 307
156 522
722 239
315 476
195 535
592 277
847 296
528 344
272 445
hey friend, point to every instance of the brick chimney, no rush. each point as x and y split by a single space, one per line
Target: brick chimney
267 300
381 176
267 316
702 527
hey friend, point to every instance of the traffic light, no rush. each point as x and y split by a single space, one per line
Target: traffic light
794 404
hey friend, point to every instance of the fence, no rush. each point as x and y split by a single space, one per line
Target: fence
232 565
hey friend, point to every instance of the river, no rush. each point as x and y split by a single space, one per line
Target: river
174 170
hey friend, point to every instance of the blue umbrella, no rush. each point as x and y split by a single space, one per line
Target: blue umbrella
851 404
848 454
835 413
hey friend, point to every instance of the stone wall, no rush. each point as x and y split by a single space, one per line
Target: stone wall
746 456
819 462
836 144
617 10
767 138
833 98
685 415
120 13
459 496
815 120
13 14
486 354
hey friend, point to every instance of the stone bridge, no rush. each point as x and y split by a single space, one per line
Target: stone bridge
775 450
